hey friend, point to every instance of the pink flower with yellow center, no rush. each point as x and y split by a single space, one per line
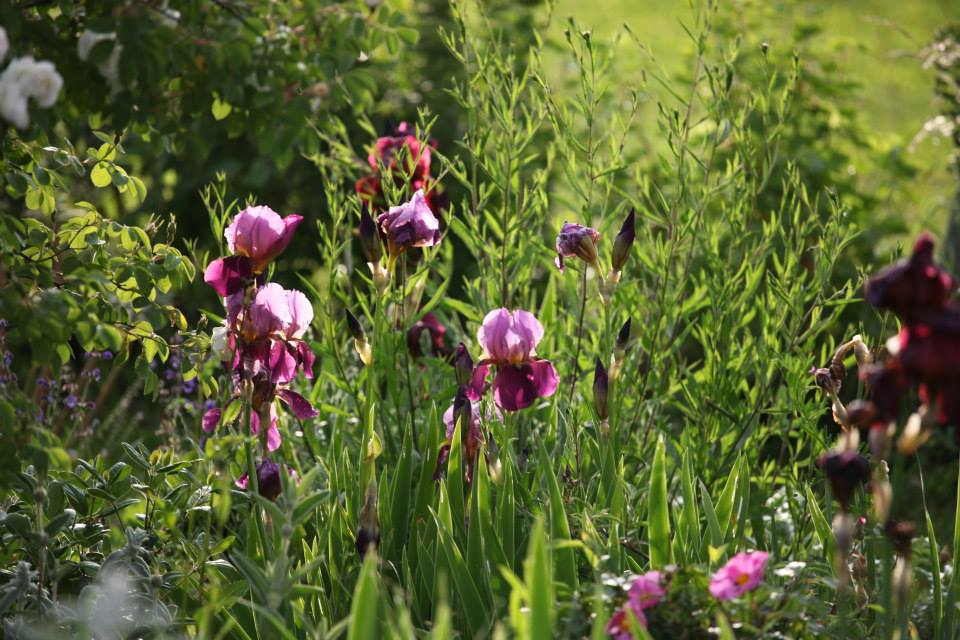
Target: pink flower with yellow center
741 574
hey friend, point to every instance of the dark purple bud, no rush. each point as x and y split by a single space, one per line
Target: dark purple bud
623 337
462 365
901 534
370 237
462 411
269 483
601 388
353 324
624 240
368 524
846 471
576 241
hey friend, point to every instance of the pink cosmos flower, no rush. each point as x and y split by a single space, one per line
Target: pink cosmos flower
619 627
577 241
647 590
742 573
509 340
411 224
256 236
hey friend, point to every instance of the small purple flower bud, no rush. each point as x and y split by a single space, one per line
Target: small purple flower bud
370 237
41 381
71 401
107 355
3 323
462 365
601 388
7 358
624 240
210 404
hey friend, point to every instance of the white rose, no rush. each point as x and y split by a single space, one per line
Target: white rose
4 43
109 68
32 79
88 40
43 84
13 104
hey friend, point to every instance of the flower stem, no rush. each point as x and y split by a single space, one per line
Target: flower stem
576 357
253 488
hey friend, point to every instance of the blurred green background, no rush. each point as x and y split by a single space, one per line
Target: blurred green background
877 45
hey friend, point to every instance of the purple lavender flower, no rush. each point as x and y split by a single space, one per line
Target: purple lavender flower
107 355
71 401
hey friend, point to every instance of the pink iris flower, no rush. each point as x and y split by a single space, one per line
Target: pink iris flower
255 237
509 340
411 224
741 574
272 328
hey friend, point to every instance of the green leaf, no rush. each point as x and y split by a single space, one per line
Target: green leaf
564 559
364 621
539 583
99 175
220 108
658 515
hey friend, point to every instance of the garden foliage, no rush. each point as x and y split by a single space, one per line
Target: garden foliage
428 335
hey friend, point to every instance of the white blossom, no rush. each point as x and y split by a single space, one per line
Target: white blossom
25 78
4 44
109 68
13 105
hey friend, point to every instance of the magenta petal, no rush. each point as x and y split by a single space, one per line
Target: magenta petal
228 275
283 363
211 418
243 481
306 359
290 224
273 436
478 382
517 387
299 405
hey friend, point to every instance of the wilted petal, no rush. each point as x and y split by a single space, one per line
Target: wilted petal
299 405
